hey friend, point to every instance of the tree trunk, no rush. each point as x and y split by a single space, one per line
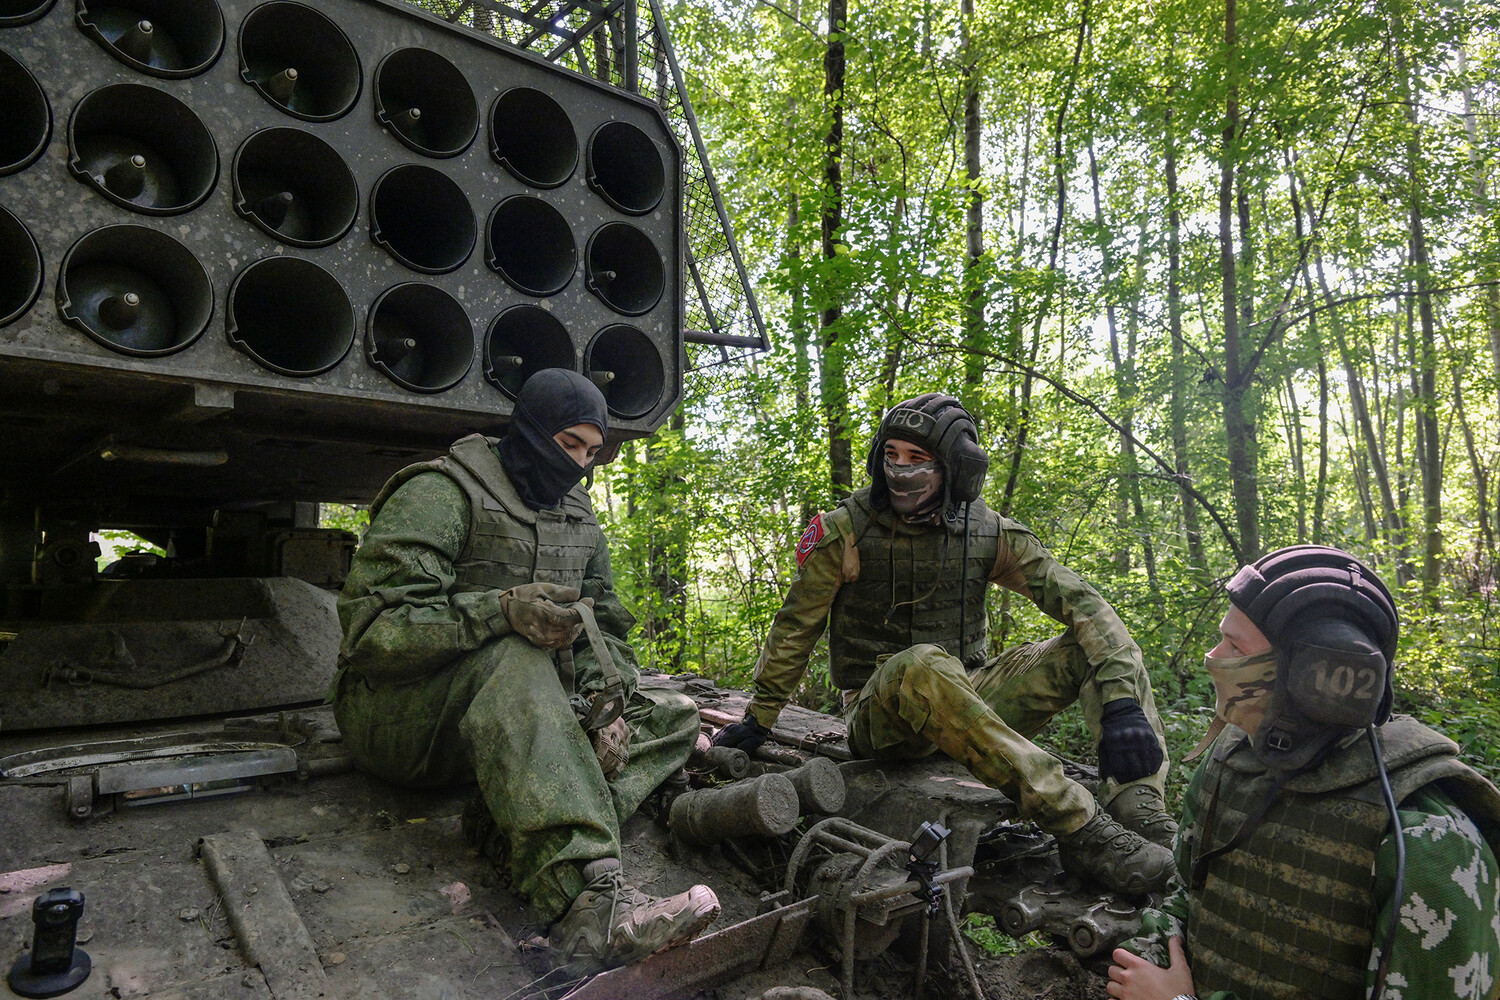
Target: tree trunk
975 334
1292 415
1023 416
1130 514
1477 465
1489 269
833 383
1427 363
1364 423
1359 467
1320 499
668 556
1180 382
1239 424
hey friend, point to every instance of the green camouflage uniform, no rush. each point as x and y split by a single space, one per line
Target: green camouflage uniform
434 688
1301 908
919 698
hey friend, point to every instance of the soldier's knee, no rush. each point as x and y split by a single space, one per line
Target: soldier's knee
930 666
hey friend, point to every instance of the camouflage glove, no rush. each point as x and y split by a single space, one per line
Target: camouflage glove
1128 748
746 735
612 747
536 613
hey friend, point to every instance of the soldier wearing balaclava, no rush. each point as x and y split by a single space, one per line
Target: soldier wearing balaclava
1294 880
483 642
898 575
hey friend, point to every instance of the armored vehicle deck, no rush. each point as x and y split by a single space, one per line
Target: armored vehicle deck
244 857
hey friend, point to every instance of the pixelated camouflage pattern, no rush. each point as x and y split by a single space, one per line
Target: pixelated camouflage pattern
434 689
1447 944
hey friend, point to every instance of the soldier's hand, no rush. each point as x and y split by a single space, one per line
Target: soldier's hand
746 735
1128 748
1134 978
536 612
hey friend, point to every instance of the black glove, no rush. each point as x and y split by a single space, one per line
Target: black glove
1128 749
746 735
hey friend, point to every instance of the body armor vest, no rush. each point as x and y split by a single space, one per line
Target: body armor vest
1290 912
909 592
508 543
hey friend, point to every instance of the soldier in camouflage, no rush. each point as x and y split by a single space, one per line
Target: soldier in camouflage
1293 884
898 574
483 641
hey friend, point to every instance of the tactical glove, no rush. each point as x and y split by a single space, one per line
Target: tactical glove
1128 748
746 735
536 613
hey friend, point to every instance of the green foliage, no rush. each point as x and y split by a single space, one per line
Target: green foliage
1351 122
982 930
349 518
114 544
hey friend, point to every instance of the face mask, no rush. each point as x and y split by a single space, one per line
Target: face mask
1242 687
914 488
538 467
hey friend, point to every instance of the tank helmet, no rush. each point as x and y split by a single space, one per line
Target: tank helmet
939 424
1333 625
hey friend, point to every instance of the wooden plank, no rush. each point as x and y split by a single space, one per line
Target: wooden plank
261 912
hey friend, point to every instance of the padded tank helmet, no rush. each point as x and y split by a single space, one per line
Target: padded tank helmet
1333 625
938 424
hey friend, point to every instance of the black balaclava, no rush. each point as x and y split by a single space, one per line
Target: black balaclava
551 400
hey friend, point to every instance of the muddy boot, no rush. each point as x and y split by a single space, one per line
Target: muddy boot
485 837
1111 855
612 924
1140 809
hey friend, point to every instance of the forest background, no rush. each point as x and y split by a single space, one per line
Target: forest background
1213 277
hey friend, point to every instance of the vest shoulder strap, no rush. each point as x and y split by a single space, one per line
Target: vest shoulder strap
476 455
857 506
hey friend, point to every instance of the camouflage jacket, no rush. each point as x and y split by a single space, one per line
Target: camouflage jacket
828 557
401 615
1447 945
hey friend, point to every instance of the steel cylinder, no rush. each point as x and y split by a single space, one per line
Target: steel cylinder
762 807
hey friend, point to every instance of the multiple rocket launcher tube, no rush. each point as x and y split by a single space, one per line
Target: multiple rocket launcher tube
138 292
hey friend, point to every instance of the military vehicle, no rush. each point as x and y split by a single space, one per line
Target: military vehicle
255 255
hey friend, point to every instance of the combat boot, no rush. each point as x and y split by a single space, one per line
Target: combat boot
1141 809
612 923
1118 859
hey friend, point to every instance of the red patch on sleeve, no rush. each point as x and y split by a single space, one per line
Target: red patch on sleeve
810 539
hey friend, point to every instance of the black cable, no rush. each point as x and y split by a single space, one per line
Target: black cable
1399 889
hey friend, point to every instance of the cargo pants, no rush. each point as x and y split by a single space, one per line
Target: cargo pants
921 699
500 715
